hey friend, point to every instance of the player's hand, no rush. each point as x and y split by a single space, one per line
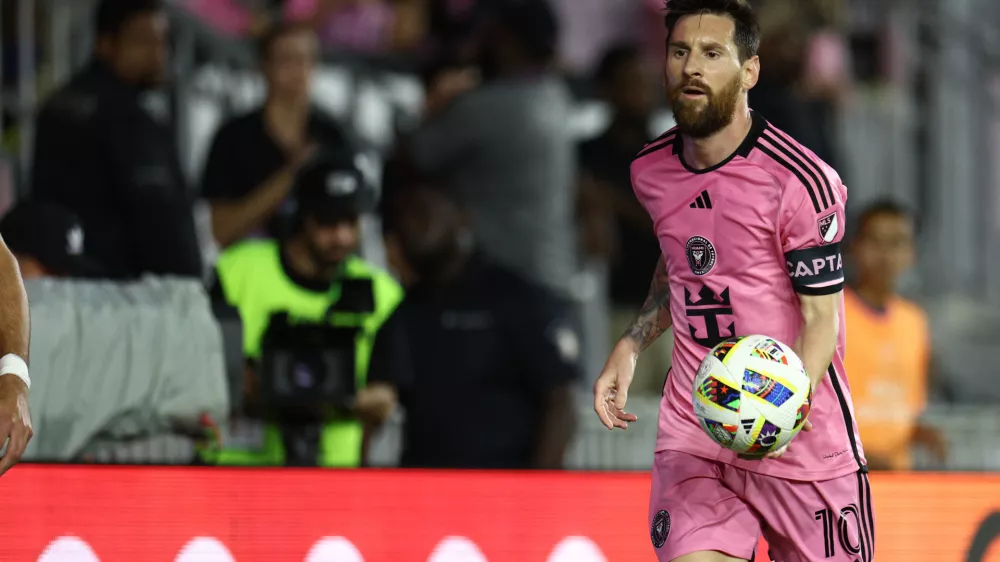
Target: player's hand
15 420
611 389
780 452
375 403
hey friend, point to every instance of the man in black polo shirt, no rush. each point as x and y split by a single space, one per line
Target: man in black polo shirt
483 361
255 157
106 150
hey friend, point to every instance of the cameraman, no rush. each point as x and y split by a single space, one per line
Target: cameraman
313 277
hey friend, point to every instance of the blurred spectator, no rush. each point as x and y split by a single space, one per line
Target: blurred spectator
888 342
106 150
609 204
369 26
778 95
507 151
254 158
453 26
231 17
47 241
591 27
483 361
313 277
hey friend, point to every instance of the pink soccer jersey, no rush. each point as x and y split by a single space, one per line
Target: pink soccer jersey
741 240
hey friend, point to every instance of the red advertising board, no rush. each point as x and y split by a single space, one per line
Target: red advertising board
109 514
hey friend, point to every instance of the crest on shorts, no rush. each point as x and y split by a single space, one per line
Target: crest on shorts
829 227
700 255
660 528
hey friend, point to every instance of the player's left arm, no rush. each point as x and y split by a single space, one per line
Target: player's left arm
15 418
811 229
818 339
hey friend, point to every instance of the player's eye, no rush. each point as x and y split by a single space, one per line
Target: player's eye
678 53
713 54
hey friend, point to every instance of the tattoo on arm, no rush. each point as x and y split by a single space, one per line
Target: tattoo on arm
654 316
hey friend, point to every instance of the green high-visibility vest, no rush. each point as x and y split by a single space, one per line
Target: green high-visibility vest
254 282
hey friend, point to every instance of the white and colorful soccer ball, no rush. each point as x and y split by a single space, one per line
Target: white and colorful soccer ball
752 395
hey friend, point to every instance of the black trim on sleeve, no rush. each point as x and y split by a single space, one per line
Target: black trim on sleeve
810 171
820 291
653 147
782 136
795 171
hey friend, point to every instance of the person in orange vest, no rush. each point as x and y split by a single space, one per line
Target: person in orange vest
888 342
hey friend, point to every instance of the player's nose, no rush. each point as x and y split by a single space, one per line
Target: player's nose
692 68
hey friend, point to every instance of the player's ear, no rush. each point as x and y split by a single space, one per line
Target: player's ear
751 72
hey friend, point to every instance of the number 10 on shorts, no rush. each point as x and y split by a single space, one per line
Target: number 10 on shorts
850 517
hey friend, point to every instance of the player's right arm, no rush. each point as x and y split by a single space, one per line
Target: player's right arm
654 317
611 388
15 418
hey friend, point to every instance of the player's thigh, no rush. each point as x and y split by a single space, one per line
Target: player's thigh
829 521
692 512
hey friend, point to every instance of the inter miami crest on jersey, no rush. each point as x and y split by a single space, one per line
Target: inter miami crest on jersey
660 528
700 255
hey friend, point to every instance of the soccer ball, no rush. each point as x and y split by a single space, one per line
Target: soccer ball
752 395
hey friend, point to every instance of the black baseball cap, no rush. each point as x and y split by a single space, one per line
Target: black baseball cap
331 189
51 234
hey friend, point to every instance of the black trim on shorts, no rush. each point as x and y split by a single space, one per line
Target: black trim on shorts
866 520
848 422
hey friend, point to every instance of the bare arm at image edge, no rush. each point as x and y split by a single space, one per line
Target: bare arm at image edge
15 418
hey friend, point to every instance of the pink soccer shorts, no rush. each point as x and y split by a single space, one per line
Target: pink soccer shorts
698 504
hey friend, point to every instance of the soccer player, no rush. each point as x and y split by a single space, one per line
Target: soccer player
749 224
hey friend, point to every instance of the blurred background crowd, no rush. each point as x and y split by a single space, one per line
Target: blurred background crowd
401 232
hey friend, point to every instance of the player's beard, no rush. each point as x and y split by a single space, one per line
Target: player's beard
700 119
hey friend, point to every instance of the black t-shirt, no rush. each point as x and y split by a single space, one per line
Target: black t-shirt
472 364
244 156
107 152
633 266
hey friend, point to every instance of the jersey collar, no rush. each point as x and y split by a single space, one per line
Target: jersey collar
757 126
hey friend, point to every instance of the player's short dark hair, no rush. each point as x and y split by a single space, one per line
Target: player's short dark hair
278 31
613 60
747 33
882 207
113 15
